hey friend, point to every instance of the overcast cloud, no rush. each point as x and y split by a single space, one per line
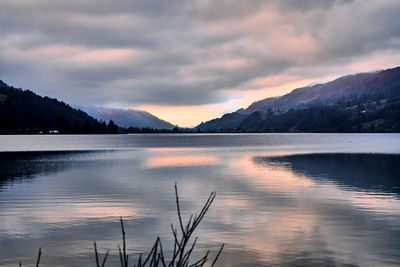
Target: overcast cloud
197 52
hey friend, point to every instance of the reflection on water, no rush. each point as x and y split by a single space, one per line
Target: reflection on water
170 161
374 172
278 178
293 209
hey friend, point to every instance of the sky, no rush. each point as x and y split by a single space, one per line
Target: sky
190 61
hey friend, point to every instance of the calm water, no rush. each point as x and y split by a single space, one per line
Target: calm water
282 199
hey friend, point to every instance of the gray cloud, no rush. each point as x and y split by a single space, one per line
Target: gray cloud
182 52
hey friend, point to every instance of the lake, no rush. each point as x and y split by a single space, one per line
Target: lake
282 199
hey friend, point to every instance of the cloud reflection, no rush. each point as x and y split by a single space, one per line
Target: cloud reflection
178 157
267 211
273 178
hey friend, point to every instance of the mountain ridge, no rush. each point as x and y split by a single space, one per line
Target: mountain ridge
375 86
128 117
23 111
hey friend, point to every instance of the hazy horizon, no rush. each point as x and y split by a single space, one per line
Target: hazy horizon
188 62
191 124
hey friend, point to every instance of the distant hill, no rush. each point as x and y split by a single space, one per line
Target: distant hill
128 117
22 111
366 102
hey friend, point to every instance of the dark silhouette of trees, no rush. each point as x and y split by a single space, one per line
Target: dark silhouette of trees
22 111
368 102
112 127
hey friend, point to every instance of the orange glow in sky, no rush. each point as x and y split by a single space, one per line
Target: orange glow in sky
190 116
264 87
211 58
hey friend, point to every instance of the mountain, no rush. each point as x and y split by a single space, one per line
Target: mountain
23 111
128 117
366 102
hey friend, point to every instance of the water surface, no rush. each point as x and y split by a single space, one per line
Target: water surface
282 199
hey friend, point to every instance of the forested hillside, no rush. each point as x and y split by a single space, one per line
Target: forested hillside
368 102
22 111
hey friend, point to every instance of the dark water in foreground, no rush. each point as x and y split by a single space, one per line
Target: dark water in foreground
282 199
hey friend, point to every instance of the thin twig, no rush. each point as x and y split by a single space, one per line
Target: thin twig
105 258
38 258
96 255
219 253
181 253
120 256
179 209
124 244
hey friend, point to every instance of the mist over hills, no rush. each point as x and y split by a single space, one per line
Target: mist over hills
23 111
365 102
128 117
